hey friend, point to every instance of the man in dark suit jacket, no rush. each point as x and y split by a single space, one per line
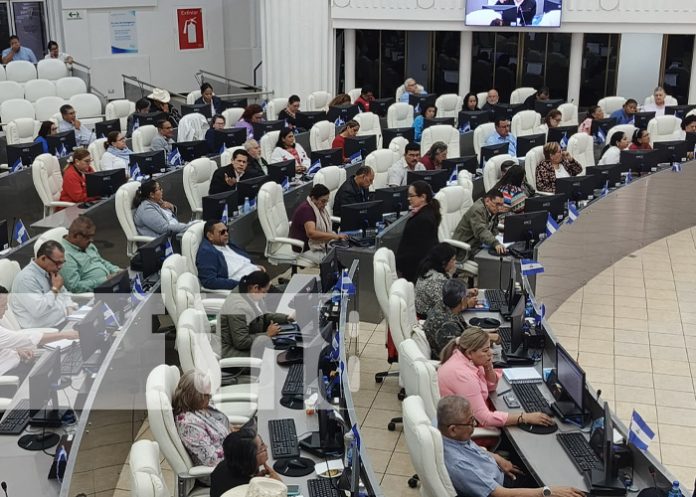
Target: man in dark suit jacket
221 264
355 189
541 94
526 10
227 177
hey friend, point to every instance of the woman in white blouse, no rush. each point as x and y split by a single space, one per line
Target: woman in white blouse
287 149
617 143
117 153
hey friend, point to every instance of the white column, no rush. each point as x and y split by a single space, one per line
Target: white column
692 84
466 41
349 58
575 68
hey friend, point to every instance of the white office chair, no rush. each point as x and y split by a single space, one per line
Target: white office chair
491 170
192 127
481 96
226 156
610 104
449 105
665 128
398 147
188 296
142 138
124 212
51 69
369 125
47 107
403 322
55 234
192 97
454 202
232 115
525 123
354 94
400 115
268 144
318 100
628 129
88 107
197 176
10 90
22 130
69 86
9 269
16 108
147 479
384 275
173 266
380 161
20 71
275 226
274 106
464 179
96 150
531 161
400 91
481 134
581 148
190 243
119 109
441 133
332 177
37 88
48 181
3 74
321 135
569 114
650 100
519 95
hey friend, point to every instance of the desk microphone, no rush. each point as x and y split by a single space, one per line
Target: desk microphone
4 487
599 393
651 470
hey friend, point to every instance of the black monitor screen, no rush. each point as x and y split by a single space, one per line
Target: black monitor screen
237 102
149 118
192 150
388 134
488 151
507 111
306 120
641 119
570 376
524 227
229 137
327 157
329 271
420 102
214 205
601 127
553 204
264 127
437 179
152 255
149 163
468 163
673 151
394 199
516 324
4 236
448 121
607 175
61 144
544 106
105 183
360 216
528 142
469 120
93 334
561 135
282 171
103 128
364 144
23 154
678 110
576 187
341 114
44 381
330 432
119 283
641 161
249 188
200 108
380 106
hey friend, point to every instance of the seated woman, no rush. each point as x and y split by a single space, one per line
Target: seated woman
311 224
253 113
513 187
201 427
207 97
74 178
470 102
243 316
552 120
47 128
289 113
594 112
658 105
286 148
445 320
350 130
428 112
217 123
612 152
256 164
437 267
245 453
467 371
153 215
557 163
433 158
420 232
640 140
340 99
117 155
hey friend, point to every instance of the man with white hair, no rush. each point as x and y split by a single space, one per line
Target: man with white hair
411 88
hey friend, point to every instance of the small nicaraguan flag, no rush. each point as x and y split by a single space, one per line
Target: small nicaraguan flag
601 136
605 190
20 234
417 110
454 176
16 166
339 121
465 127
168 249
551 226
314 168
335 347
62 151
347 284
136 124
356 434
252 203
222 149
174 157
285 184
639 433
629 177
564 141
573 213
676 167
225 218
530 266
287 125
135 173
138 294
109 316
356 157
542 312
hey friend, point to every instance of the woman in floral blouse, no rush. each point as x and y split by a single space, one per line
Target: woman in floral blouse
557 163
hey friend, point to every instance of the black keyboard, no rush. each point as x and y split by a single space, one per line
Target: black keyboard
579 451
505 334
283 438
531 398
496 299
17 419
322 487
71 361
294 381
357 241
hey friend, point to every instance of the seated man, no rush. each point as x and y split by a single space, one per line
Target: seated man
142 106
221 264
540 95
355 189
688 124
39 298
226 178
502 134
492 99
396 176
479 224
84 267
626 114
367 95
474 471
17 52
163 139
410 88
69 122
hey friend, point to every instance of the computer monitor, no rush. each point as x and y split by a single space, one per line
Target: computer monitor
448 121
192 150
479 189
103 128
149 163
44 383
364 144
561 135
437 179
507 110
553 204
151 255
544 106
576 187
528 142
116 293
341 114
264 127
641 161
282 171
420 102
235 102
601 127
105 183
570 376
607 174
469 120
488 151
61 144
306 120
330 432
380 106
93 333
214 205
690 139
249 188
394 199
388 134
641 119
149 118
673 151
516 326
4 236
678 110
468 162
327 157
229 137
200 108
329 271
361 216
526 227
23 153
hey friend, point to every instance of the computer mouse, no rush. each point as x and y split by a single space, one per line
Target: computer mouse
538 429
295 464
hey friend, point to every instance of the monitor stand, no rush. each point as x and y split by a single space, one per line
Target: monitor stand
38 441
599 485
568 409
312 444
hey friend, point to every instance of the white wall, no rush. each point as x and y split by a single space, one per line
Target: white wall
242 39
639 65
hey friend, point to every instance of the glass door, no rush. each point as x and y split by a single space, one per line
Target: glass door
30 25
600 60
676 66
5 25
380 60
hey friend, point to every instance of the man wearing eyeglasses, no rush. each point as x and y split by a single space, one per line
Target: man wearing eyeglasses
473 470
163 139
39 298
70 122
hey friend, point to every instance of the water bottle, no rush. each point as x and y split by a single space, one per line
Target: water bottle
675 492
247 206
348 441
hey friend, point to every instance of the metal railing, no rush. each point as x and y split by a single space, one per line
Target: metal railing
225 87
135 89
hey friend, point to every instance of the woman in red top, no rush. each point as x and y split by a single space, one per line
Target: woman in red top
432 160
74 178
350 130
640 140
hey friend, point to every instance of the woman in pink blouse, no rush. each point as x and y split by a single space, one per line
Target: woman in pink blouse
467 371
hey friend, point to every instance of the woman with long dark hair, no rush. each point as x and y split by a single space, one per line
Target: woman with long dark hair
612 152
433 158
512 186
640 140
253 113
47 128
153 215
287 148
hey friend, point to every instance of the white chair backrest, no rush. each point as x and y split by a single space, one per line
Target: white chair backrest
448 105
272 216
142 138
10 90
37 88
354 94
369 125
569 114
47 177
55 234
581 148
519 95
464 180
69 86
20 71
610 104
274 106
3 74
8 270
96 150
120 109
628 130
384 271
192 97
332 177
419 376
51 69
87 106
665 128
400 115
193 345
441 133
124 212
650 100
268 143
380 161
321 135
402 310
15 108
531 161
190 243
226 156
188 294
192 127
525 123
147 479
47 107
482 96
491 170
400 91
481 134
454 202
197 176
232 115
22 130
318 100
172 267
398 147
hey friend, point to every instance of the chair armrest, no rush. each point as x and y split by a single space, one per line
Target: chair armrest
196 472
223 398
240 362
4 404
237 420
212 306
545 194
289 241
216 291
485 432
336 219
142 238
457 244
9 381
82 296
59 203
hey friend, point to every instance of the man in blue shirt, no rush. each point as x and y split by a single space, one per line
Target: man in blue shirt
411 88
502 134
626 114
474 471
17 52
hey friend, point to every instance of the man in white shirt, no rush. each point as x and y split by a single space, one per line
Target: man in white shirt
396 176
55 53
70 122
